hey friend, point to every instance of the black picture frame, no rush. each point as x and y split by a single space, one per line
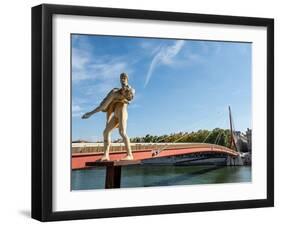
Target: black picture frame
42 111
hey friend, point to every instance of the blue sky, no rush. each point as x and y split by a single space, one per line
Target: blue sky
181 85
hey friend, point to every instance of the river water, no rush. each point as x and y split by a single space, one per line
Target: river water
147 176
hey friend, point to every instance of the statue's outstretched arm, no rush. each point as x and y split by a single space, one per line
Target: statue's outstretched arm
103 105
90 113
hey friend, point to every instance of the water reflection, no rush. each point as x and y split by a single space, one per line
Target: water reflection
147 176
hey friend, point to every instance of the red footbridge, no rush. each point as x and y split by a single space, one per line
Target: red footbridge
86 159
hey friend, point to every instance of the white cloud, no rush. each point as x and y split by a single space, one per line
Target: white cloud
87 66
104 70
165 56
76 111
80 58
76 108
93 76
107 70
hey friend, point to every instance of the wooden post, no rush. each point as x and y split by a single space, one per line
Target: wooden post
113 171
113 177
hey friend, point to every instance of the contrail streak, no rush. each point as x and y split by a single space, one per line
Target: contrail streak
164 56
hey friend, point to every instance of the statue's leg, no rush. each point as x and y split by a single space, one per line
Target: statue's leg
110 125
123 116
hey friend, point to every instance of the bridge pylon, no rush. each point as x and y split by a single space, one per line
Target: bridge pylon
232 140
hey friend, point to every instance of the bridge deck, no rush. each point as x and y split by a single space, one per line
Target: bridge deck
79 160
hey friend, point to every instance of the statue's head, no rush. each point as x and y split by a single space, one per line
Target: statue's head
127 91
124 79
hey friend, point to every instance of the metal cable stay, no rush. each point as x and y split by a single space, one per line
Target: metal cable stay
220 123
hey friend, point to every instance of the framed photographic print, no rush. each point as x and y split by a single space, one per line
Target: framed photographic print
145 112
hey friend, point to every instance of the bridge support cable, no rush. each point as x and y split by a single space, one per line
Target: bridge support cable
209 134
219 136
192 127
157 152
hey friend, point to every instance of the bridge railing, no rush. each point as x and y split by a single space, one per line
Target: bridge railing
120 147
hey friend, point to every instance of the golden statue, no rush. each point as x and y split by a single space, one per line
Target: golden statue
115 105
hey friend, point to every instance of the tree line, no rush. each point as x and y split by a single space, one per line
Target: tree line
215 136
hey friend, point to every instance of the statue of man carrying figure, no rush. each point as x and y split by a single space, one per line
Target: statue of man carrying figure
115 105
